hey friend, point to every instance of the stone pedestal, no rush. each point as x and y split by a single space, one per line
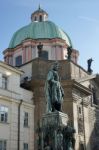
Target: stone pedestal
52 128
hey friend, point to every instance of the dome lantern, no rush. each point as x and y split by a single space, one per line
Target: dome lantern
39 15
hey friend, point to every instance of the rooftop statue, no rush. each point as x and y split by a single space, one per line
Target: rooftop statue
69 52
89 61
53 89
40 47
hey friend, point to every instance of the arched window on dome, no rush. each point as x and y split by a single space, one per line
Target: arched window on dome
18 60
40 18
44 55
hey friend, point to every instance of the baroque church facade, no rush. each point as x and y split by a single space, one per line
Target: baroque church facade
33 49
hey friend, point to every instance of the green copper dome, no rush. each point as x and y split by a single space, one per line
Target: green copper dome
39 30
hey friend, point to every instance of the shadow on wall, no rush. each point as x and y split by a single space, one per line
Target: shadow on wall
94 138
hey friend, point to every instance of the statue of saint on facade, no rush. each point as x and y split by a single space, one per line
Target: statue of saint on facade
89 61
39 47
53 90
69 52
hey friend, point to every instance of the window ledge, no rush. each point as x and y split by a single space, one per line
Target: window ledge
26 126
9 90
3 88
6 123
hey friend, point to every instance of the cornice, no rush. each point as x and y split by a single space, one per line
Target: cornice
75 84
8 67
11 100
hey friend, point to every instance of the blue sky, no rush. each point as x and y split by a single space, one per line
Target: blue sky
79 18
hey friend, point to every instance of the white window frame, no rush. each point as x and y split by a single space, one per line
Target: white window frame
25 146
4 82
26 119
3 114
3 145
17 57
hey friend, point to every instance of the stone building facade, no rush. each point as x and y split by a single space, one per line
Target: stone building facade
16 111
80 102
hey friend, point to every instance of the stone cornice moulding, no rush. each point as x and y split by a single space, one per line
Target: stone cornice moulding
74 84
89 77
11 100
10 68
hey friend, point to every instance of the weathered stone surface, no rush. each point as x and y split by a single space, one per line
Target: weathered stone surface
55 119
77 84
52 130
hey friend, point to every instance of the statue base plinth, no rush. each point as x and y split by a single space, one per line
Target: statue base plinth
52 127
55 118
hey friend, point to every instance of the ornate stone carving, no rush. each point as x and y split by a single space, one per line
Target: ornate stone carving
80 125
56 134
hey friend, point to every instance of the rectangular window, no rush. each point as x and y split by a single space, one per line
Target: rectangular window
3 145
18 60
44 55
3 114
4 82
25 119
25 146
26 49
80 110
